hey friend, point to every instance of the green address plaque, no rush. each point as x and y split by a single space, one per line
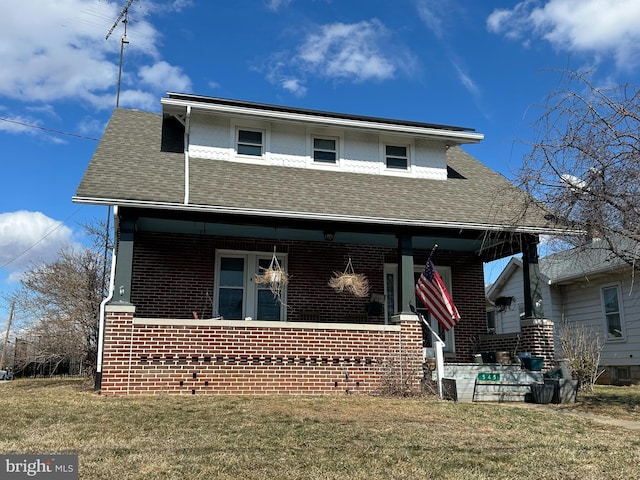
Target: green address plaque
489 377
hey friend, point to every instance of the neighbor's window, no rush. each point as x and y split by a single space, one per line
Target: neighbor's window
325 150
491 321
396 157
250 142
623 374
612 313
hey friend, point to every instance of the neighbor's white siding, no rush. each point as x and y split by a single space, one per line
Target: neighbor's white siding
508 321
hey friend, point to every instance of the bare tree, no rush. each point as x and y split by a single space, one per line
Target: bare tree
584 165
581 347
60 301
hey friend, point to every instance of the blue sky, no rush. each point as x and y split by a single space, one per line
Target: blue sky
479 64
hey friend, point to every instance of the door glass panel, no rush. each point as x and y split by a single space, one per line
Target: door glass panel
230 303
231 291
391 291
268 306
231 272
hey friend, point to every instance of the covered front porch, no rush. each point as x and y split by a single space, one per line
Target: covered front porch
187 314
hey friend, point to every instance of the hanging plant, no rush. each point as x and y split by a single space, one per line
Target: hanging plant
349 281
274 276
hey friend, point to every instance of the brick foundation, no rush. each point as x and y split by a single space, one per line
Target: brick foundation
163 356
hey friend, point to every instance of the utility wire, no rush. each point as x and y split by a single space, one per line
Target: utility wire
59 225
60 132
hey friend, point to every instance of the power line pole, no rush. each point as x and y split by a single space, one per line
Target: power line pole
6 336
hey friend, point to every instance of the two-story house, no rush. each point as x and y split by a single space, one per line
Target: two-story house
212 195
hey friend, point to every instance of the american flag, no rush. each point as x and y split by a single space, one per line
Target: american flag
431 290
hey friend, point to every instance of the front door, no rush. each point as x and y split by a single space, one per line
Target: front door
391 303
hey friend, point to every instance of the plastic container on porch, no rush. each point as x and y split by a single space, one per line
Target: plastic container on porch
532 363
542 393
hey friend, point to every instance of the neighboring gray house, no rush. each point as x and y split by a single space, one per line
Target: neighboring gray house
587 285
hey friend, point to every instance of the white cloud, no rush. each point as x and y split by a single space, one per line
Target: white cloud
161 75
430 12
56 51
466 80
349 51
295 86
277 4
594 27
30 236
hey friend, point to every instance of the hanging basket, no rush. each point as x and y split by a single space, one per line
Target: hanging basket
273 276
348 281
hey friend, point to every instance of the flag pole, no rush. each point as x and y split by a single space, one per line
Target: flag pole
433 250
438 350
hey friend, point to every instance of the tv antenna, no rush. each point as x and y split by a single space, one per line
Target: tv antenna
124 16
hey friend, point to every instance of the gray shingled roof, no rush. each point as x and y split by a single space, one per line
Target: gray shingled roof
129 166
593 258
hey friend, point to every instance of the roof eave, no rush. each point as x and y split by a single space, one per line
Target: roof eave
455 136
314 216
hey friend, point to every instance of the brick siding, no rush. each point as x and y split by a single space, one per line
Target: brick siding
235 357
173 275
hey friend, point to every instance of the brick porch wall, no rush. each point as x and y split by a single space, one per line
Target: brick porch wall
535 337
173 275
161 356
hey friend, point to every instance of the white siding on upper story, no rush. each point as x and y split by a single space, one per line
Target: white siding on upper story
290 145
582 303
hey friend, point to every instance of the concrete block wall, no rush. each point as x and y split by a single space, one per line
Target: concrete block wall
160 356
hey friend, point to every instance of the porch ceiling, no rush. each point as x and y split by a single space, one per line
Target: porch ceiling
487 247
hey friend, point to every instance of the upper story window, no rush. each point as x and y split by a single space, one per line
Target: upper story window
612 312
250 142
396 157
325 150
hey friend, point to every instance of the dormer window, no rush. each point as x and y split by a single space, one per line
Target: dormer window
325 150
250 142
396 157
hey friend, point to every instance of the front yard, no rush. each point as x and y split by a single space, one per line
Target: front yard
328 437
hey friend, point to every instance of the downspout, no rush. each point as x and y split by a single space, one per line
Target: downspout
112 277
187 123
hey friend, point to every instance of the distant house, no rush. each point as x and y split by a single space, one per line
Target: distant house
588 285
211 193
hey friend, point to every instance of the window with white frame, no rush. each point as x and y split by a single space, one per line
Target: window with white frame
612 312
396 157
237 295
325 149
250 142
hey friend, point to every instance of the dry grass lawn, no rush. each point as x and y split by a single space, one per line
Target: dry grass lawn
345 437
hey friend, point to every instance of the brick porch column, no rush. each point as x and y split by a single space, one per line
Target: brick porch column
118 327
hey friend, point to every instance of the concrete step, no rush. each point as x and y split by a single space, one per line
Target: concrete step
491 382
